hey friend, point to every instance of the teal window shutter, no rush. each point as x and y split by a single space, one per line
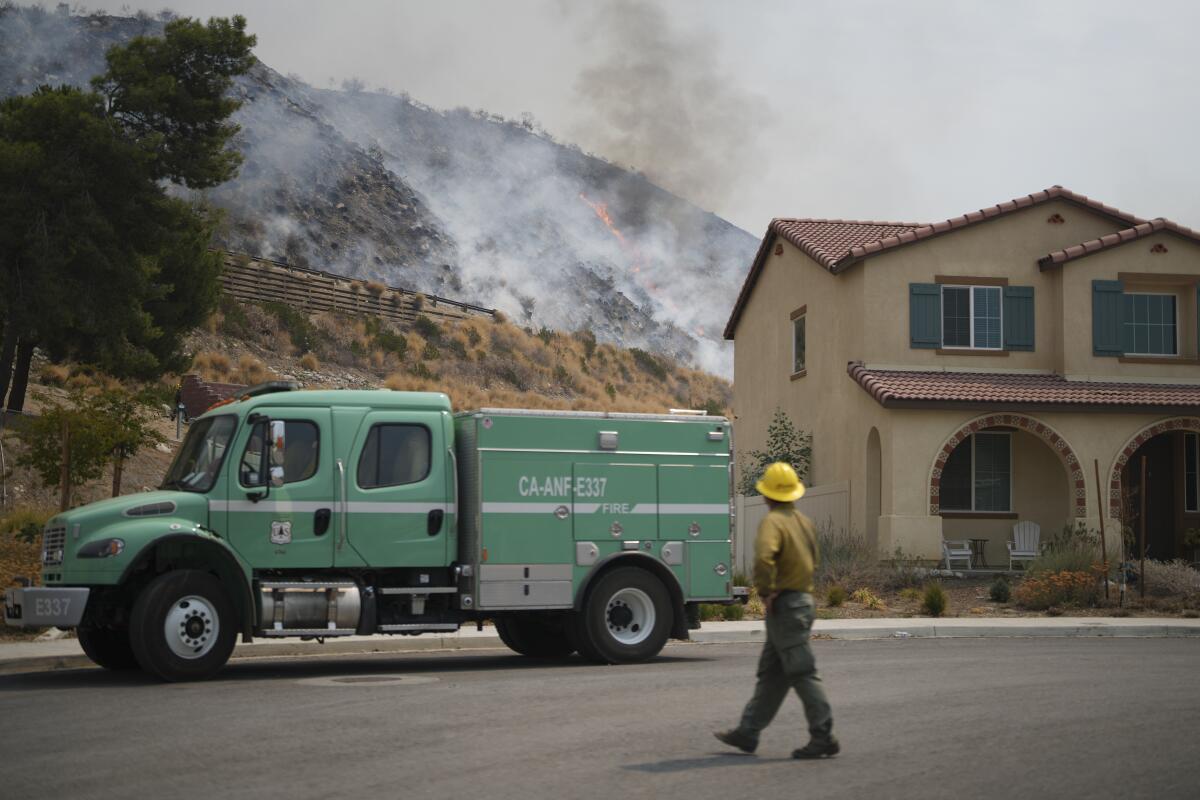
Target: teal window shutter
1107 305
925 315
1018 317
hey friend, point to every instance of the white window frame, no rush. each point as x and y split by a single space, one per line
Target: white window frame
1175 298
1193 439
803 367
1011 471
971 315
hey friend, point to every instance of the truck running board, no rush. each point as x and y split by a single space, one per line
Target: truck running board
281 632
419 627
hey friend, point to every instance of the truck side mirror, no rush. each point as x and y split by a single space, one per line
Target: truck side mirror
276 451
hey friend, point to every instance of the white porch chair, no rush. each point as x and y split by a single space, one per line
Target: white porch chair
956 550
1026 542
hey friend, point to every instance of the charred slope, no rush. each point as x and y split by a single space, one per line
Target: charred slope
457 203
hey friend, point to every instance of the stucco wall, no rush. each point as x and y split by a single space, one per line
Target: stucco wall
1006 247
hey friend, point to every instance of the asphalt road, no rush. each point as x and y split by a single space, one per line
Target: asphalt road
917 718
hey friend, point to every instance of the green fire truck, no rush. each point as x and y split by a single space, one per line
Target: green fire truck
319 514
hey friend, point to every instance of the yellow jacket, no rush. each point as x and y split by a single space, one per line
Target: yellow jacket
785 552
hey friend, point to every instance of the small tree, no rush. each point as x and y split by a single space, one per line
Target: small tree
123 422
784 443
86 447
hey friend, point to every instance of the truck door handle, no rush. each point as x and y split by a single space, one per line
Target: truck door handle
435 521
321 521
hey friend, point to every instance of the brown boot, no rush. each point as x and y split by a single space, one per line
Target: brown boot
735 738
815 749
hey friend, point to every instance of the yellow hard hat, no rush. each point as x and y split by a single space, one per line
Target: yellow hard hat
780 483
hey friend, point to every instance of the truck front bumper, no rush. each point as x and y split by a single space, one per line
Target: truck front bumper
43 607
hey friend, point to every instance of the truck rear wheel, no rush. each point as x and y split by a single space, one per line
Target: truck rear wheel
627 616
183 627
534 636
107 647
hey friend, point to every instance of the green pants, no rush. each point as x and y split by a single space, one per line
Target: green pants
787 662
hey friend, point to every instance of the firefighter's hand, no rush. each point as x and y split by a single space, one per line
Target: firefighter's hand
769 601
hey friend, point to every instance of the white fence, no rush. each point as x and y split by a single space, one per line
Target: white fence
824 505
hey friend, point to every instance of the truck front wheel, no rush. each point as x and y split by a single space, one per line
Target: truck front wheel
183 627
627 616
107 647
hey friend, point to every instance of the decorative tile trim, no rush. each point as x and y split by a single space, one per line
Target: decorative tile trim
1028 424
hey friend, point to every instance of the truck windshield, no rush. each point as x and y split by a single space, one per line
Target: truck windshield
198 463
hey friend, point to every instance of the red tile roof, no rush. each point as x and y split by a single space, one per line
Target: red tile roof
1113 240
900 388
836 244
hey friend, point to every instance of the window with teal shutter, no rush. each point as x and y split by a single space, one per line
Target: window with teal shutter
1018 318
925 315
1107 307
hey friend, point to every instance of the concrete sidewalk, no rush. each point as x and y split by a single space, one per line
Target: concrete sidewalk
66 653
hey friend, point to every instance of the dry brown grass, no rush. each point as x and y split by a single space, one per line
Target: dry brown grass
310 362
250 371
376 288
55 375
212 366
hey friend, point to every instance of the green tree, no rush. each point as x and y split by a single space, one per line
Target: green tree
99 262
87 448
785 443
125 425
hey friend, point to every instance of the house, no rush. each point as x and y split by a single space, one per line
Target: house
960 376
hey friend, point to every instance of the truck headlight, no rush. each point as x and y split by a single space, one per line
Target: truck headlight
102 548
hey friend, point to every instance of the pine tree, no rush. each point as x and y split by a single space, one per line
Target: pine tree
98 261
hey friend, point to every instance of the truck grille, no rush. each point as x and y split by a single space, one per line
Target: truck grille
54 541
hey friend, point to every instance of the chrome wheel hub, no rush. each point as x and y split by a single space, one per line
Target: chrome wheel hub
191 627
630 616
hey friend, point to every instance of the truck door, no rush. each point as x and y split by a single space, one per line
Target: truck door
290 525
397 491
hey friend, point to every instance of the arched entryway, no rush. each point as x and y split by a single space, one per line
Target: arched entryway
1030 425
1171 448
1001 469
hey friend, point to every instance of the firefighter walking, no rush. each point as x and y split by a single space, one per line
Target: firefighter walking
785 555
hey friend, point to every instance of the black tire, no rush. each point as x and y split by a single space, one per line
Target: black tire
206 633
578 638
108 647
535 636
627 616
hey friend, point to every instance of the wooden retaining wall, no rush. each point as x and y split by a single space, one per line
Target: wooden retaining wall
259 280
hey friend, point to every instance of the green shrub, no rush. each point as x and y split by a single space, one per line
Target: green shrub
457 349
648 363
835 596
934 599
1000 590
473 337
422 371
910 593
25 524
734 612
234 322
427 328
546 335
431 352
611 391
711 611
304 335
393 343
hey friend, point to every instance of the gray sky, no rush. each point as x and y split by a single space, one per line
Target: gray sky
915 110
